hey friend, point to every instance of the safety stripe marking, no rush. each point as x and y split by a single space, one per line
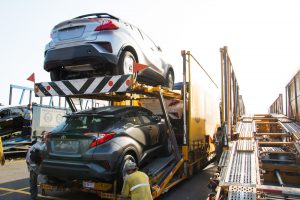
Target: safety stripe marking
28 193
63 87
112 80
93 86
86 85
70 87
50 89
118 83
56 88
101 84
42 89
78 83
125 85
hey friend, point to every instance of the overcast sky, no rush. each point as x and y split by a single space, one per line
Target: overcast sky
263 38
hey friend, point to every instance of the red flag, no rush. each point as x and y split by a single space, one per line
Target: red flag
138 67
31 78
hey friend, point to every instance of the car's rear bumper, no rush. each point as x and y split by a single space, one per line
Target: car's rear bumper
71 170
77 55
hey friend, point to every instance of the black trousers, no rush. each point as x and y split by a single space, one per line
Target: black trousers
33 184
26 130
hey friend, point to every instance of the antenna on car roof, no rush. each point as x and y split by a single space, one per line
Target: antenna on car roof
99 15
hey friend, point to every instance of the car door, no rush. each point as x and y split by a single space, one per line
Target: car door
151 127
6 121
151 52
136 130
17 115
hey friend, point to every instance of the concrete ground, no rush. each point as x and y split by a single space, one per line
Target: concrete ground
14 185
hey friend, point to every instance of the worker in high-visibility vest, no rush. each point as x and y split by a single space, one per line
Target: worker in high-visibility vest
2 158
136 184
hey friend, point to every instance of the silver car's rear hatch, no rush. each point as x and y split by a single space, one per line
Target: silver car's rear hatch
75 30
71 32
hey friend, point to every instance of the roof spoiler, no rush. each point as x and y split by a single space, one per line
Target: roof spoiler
99 15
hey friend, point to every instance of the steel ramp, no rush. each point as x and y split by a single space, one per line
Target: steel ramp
158 165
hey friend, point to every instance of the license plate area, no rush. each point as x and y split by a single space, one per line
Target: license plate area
88 185
66 146
71 33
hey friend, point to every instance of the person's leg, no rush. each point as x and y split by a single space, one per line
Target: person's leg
33 184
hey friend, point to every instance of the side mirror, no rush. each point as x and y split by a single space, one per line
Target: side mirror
159 49
156 118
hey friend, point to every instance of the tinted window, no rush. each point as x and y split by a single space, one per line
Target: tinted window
133 118
144 116
16 111
85 124
146 119
4 113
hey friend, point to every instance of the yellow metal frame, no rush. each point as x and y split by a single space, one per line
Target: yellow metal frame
158 190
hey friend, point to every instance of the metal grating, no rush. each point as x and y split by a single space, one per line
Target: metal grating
247 131
242 169
293 128
272 149
224 159
241 193
296 135
245 145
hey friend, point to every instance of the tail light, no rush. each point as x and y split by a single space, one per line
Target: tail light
174 102
102 137
107 25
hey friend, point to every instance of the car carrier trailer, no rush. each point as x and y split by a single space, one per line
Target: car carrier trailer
200 121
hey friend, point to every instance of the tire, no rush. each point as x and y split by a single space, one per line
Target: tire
122 171
126 64
169 83
55 75
167 149
125 160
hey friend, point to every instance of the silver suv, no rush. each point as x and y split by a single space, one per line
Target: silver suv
100 44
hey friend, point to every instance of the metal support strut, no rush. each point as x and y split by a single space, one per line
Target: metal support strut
169 125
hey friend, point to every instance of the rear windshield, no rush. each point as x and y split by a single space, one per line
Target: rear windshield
85 124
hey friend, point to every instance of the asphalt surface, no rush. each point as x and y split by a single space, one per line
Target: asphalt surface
14 184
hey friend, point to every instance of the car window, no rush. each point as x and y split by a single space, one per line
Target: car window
146 119
145 116
4 113
149 42
16 111
85 124
133 119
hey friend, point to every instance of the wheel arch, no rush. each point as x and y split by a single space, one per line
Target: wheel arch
170 68
130 150
130 49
